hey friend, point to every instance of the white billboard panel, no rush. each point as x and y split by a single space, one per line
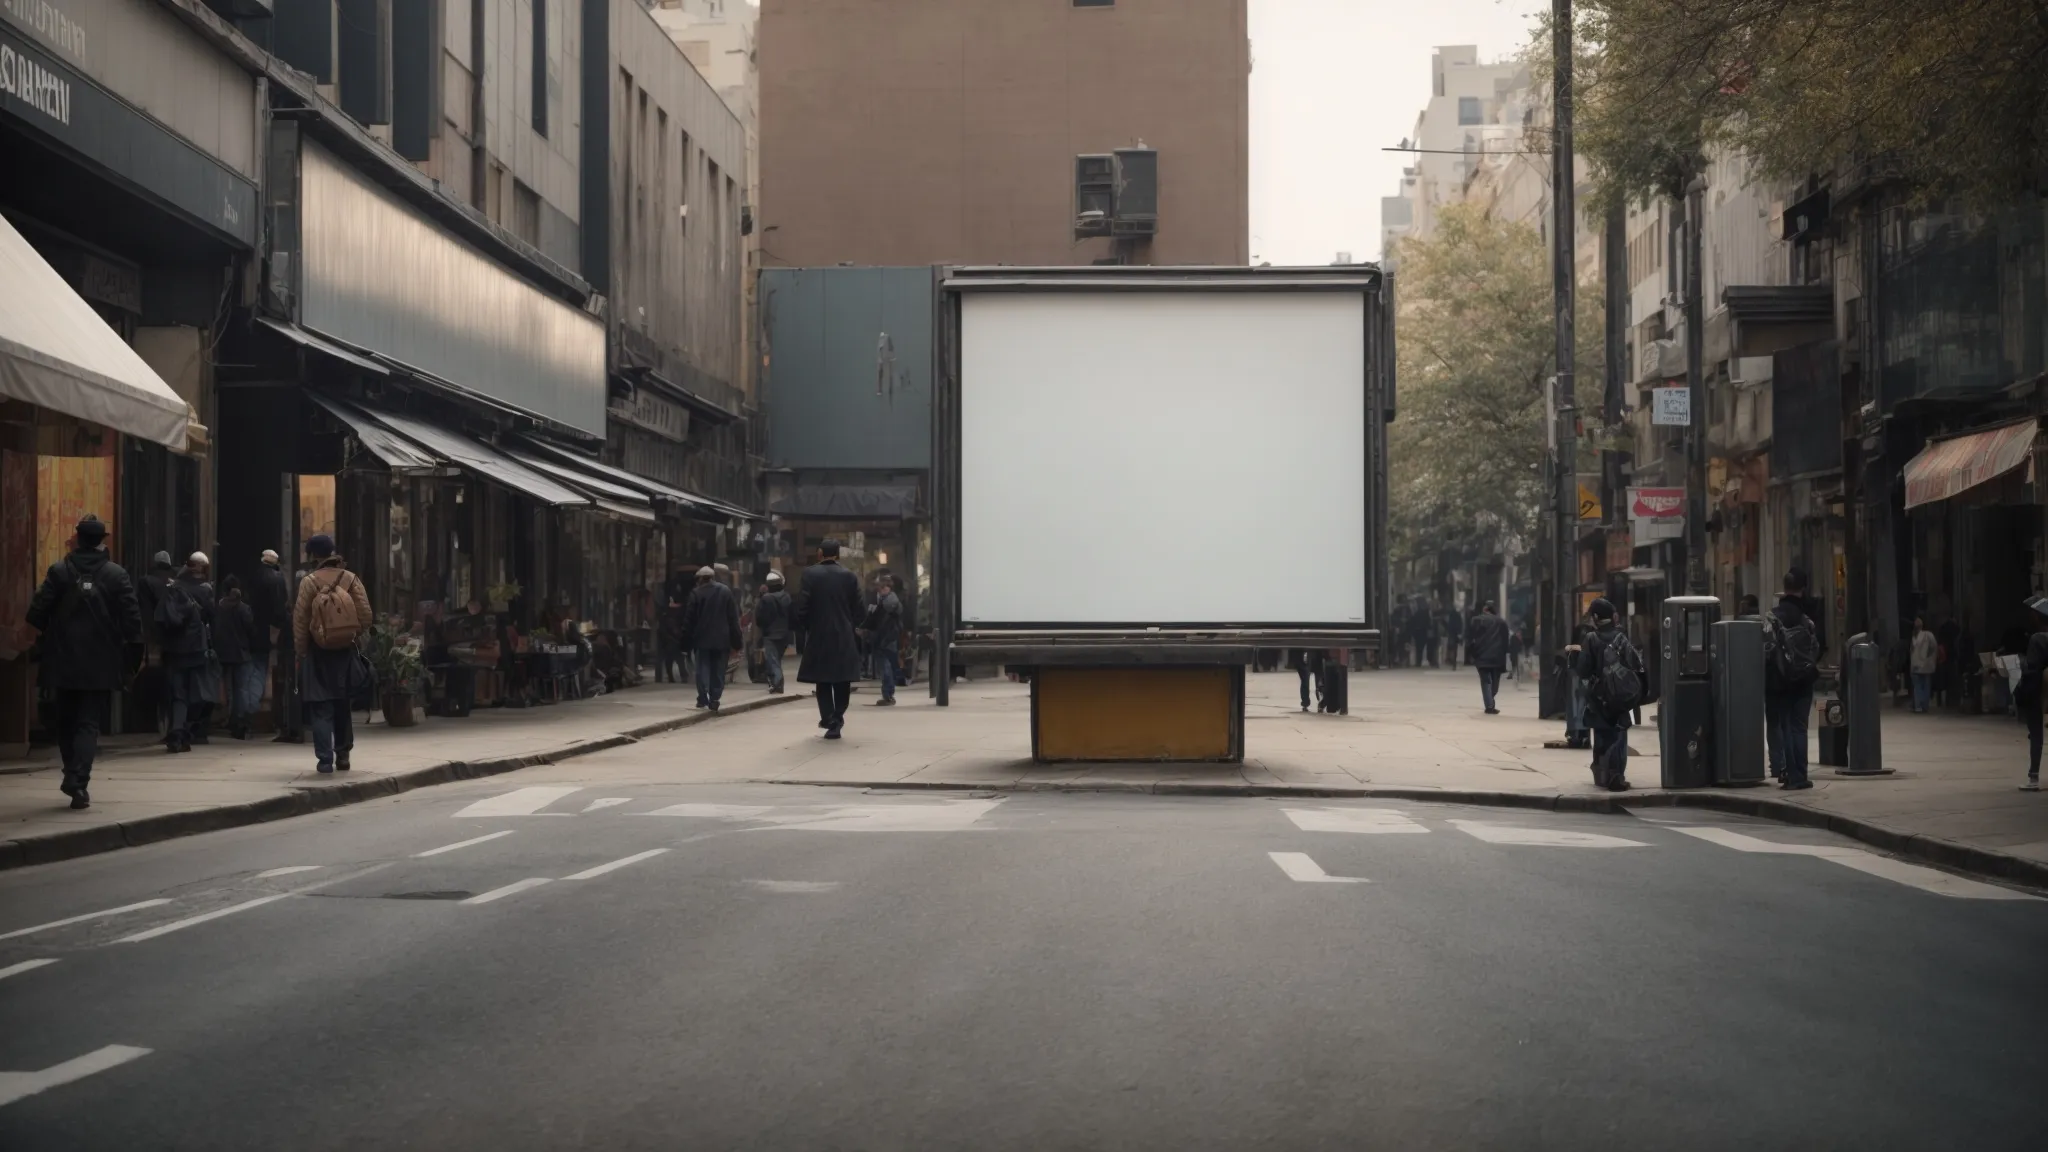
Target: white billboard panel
1194 457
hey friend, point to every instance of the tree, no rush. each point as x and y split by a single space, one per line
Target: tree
1475 355
1949 95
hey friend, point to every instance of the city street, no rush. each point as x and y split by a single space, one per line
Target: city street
594 955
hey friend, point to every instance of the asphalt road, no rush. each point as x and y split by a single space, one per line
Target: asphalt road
791 968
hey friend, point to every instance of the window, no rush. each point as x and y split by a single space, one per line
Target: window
525 213
1468 110
684 192
540 66
1094 3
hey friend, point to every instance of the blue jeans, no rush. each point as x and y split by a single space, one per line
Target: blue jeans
334 730
1489 685
710 675
1923 687
1785 718
771 659
245 687
1575 715
886 669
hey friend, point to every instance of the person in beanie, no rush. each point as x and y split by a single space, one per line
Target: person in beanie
1608 717
828 605
772 617
91 642
711 628
329 674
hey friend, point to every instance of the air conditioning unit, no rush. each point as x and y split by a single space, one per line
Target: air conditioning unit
1094 194
1136 211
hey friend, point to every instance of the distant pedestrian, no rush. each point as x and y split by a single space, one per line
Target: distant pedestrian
772 620
1486 649
271 600
1749 608
1612 672
234 634
1792 647
2027 697
1924 653
332 610
711 629
668 628
91 643
828 605
884 626
1454 632
1577 732
183 618
1517 645
1307 664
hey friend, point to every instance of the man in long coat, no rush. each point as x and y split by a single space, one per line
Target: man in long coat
828 605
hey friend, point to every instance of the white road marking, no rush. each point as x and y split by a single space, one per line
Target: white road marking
519 802
24 966
711 811
795 885
951 816
173 926
608 802
15 1085
601 869
1367 820
461 844
84 918
516 886
1300 868
1862 860
287 871
1541 837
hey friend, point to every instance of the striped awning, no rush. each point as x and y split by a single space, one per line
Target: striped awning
1947 467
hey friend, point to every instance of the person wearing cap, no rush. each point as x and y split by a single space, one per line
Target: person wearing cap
828 605
771 618
1608 718
711 628
91 641
2027 696
329 677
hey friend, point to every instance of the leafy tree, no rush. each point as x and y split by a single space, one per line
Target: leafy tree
1476 354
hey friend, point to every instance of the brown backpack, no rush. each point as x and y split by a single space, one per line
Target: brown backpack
333 621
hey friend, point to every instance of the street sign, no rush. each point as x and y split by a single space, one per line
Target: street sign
1656 514
1673 406
1589 498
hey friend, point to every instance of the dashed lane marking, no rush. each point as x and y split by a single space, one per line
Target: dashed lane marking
1541 837
607 802
948 816
175 925
461 844
16 1085
1300 868
287 871
1911 875
24 966
1371 821
711 811
513 888
82 919
601 869
519 802
795 885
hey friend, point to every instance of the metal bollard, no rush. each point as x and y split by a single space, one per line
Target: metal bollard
1863 703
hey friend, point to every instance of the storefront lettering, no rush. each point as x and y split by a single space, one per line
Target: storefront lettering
55 26
35 85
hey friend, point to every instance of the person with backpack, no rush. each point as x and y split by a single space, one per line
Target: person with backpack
332 610
181 616
91 643
234 641
1792 648
1612 669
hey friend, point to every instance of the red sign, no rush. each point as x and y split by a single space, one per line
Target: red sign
1656 503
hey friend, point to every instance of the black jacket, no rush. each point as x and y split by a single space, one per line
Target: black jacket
234 629
86 646
1587 667
711 618
828 605
885 620
771 615
189 645
1486 642
2032 664
270 601
1791 613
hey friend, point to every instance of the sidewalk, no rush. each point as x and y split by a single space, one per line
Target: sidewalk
141 794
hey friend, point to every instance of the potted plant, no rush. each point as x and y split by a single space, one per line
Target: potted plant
499 597
397 663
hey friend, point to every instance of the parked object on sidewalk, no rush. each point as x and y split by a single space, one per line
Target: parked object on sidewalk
828 604
1486 649
90 644
397 663
329 676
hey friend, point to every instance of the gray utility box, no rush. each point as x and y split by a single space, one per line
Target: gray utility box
1738 676
1685 711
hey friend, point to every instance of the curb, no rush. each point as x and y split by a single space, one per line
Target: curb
73 843
1947 853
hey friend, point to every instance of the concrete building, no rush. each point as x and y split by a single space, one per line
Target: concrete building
906 132
1472 107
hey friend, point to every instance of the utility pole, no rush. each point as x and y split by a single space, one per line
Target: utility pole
1696 386
1564 533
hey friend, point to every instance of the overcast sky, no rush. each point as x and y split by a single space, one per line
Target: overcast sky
1333 82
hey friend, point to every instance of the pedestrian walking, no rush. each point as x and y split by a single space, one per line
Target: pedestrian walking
1486 649
1792 647
828 604
772 620
884 626
272 600
711 629
2027 696
183 607
331 611
234 633
1611 669
1454 631
194 580
668 627
1308 665
90 644
1922 663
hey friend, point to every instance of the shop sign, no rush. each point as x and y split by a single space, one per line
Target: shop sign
1656 514
1673 406
1589 498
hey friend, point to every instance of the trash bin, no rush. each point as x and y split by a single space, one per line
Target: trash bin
1685 708
1738 664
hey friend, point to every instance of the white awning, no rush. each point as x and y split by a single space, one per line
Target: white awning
56 353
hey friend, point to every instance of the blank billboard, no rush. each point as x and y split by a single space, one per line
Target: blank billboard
1162 458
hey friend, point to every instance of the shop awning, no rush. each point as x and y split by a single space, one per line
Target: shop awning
399 454
480 459
850 501
597 487
630 513
321 344
56 353
700 505
1948 467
